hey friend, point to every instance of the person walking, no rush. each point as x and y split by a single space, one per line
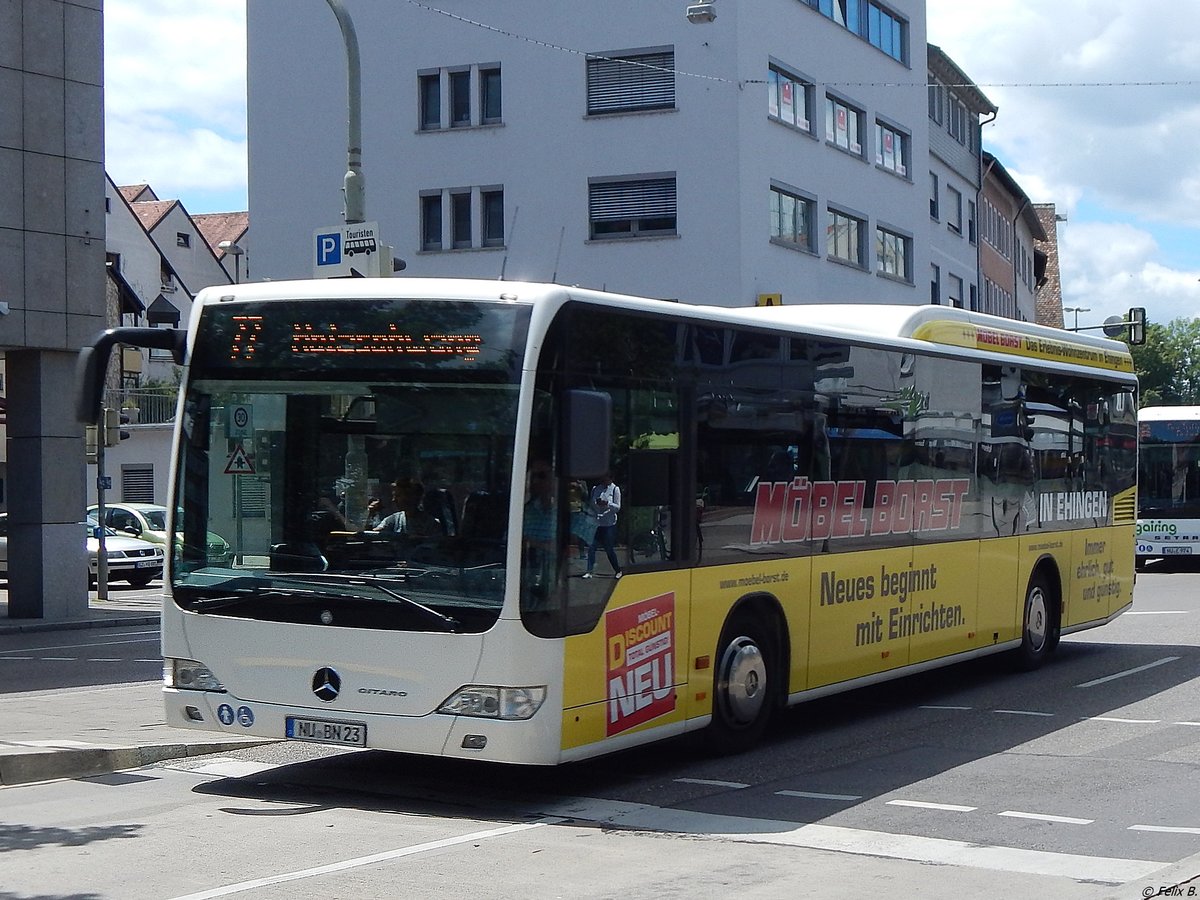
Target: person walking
606 501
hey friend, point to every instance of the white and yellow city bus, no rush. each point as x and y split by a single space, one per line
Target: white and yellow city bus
1168 483
814 498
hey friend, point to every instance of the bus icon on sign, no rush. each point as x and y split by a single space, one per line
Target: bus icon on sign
329 249
361 245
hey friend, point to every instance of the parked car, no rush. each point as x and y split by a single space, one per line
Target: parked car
148 521
129 559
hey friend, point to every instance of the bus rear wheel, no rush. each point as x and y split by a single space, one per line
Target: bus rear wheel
744 685
1039 624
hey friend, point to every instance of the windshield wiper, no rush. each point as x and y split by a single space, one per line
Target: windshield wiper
448 622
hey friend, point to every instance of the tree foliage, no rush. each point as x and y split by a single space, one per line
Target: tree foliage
1168 364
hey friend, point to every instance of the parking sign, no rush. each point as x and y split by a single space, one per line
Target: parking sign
342 250
329 249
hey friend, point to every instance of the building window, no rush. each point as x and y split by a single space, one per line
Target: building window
789 98
954 291
893 253
974 292
632 82
958 120
430 87
891 148
843 237
460 204
460 220
935 285
934 208
886 31
431 221
460 99
183 239
791 219
954 213
971 221
491 202
869 20
843 125
490 110
462 109
629 208
937 103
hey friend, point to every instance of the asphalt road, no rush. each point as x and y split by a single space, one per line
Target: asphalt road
35 661
971 781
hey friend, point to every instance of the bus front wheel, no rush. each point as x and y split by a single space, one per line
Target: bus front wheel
743 685
1039 624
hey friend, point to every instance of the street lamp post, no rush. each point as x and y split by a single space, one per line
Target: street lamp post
232 249
355 185
1077 310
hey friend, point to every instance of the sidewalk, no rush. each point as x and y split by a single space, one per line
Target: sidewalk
75 732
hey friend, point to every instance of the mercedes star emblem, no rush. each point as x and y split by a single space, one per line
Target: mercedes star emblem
326 684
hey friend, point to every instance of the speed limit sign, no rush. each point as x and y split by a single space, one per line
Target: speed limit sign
241 421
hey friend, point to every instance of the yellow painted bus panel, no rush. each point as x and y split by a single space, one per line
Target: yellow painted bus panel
627 673
935 602
1101 579
715 591
850 633
1000 595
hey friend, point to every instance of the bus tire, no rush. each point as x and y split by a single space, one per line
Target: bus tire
744 685
1039 622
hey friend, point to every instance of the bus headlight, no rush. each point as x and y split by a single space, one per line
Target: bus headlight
189 675
488 702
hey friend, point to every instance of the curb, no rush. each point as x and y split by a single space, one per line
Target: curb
32 625
49 765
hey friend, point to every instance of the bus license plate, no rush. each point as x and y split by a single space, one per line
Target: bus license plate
1177 551
324 731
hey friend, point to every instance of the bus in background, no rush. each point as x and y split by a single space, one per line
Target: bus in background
834 495
1168 483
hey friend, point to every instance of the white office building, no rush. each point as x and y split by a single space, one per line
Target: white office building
779 150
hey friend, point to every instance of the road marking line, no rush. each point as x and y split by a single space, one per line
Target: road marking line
147 640
947 707
1164 829
103 659
18 658
1107 678
1195 724
1157 612
359 862
839 839
921 804
1023 712
712 783
58 658
1122 721
812 795
1042 817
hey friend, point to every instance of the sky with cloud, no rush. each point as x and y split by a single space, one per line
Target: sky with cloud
1099 105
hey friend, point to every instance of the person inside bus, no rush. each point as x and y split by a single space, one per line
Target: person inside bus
606 501
540 529
409 519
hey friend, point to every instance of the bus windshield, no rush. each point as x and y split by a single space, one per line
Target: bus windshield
358 466
1169 467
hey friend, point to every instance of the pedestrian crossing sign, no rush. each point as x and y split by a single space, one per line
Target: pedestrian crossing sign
239 462
770 300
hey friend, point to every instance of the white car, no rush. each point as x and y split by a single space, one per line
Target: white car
148 521
129 559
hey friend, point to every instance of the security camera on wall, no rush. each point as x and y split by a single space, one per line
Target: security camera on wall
699 13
